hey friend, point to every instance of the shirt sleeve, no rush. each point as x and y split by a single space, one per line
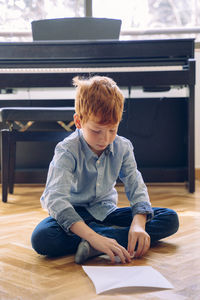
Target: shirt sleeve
57 191
135 188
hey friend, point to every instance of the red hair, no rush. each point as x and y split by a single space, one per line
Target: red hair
98 97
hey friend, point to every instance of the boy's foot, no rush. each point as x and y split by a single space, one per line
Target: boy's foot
84 252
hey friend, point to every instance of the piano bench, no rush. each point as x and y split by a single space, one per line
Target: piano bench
10 136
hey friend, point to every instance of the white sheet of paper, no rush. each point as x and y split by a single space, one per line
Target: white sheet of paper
107 278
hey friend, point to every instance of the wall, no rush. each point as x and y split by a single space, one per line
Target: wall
197 111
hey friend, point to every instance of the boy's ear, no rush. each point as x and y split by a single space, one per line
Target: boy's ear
77 121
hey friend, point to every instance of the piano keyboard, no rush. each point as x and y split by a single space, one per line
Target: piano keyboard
70 92
90 70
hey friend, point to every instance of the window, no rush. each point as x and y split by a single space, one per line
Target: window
16 15
141 18
152 15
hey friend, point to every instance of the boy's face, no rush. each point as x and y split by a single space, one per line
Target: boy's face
98 136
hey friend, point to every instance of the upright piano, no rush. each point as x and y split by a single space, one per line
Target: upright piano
153 65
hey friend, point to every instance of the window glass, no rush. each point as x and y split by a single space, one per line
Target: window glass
16 15
150 14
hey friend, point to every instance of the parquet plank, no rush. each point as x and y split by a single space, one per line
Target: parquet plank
28 276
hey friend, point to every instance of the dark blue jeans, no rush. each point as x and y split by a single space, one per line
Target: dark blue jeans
50 239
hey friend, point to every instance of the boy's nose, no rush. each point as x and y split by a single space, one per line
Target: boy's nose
106 137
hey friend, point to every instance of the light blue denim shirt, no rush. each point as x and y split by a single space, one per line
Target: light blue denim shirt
78 177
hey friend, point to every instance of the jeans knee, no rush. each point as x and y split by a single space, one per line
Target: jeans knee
174 221
38 242
53 242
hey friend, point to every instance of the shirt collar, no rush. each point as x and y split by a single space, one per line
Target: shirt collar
110 148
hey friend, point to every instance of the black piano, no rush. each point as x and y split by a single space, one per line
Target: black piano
153 65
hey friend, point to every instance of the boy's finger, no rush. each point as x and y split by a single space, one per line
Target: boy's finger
122 253
111 255
143 246
119 253
132 244
127 255
146 246
140 246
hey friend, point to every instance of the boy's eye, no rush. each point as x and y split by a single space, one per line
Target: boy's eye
112 130
96 131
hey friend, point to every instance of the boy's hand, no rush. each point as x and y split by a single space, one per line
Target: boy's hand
138 237
110 247
101 243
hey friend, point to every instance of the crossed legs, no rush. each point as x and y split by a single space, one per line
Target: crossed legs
50 239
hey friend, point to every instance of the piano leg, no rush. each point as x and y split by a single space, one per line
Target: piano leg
12 160
5 153
191 141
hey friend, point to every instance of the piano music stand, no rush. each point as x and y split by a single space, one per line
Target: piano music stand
76 29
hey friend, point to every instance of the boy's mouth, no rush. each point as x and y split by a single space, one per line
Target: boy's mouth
102 146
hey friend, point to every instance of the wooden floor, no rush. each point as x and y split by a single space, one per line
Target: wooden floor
25 275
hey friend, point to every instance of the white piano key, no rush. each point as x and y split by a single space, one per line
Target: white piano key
52 93
18 94
174 92
46 93
59 93
91 69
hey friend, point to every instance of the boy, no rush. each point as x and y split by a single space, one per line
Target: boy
80 195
